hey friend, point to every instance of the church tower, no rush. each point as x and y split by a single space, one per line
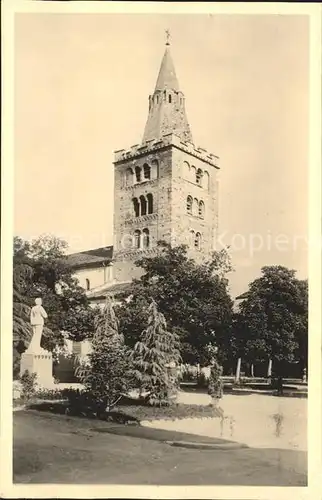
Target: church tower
165 188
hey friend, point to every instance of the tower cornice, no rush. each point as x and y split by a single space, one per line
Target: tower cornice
167 141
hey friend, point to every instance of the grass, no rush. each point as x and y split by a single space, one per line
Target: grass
67 450
176 411
159 434
130 408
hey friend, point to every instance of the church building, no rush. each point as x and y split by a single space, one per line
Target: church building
165 188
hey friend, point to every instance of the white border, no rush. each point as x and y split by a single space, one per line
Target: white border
8 490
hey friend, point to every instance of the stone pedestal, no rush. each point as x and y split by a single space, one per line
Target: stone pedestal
40 363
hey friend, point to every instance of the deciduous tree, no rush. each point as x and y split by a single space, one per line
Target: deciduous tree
272 321
40 268
193 298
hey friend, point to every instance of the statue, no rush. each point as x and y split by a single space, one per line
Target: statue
37 317
36 359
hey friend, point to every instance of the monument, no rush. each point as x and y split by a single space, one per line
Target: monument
36 359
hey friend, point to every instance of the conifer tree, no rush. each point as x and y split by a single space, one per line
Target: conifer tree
153 356
107 375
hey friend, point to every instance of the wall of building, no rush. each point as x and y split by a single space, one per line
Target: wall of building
184 185
126 222
97 276
173 179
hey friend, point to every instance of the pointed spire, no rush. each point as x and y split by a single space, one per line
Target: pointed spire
166 105
167 78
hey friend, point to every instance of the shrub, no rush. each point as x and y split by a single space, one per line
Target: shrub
28 383
215 385
107 375
188 373
49 394
202 380
83 403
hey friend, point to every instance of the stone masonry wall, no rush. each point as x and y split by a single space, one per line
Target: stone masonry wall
184 185
173 179
125 222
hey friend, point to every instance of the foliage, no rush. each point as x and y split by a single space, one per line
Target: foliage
40 269
107 374
80 403
172 412
152 358
215 384
107 324
48 394
21 327
28 383
272 321
202 380
188 373
193 298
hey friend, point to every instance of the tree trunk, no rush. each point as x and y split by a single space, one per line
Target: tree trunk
198 372
237 377
252 370
269 369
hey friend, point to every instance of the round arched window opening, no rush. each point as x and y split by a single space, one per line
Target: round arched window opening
146 238
197 241
137 239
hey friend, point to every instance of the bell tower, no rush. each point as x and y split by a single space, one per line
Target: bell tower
164 188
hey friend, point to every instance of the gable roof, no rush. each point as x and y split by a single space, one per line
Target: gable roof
89 258
242 296
116 289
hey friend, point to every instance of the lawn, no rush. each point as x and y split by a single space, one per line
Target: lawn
60 449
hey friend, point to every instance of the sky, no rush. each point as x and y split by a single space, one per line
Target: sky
82 83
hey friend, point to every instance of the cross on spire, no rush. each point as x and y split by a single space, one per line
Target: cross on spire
166 104
167 33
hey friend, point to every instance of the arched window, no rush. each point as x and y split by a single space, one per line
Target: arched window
138 174
157 99
146 238
192 237
136 206
164 95
198 241
146 171
143 205
206 180
195 208
137 239
129 177
170 98
155 169
193 173
150 203
201 209
88 284
186 170
199 176
189 205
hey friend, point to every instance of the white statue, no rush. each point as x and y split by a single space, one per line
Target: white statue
37 317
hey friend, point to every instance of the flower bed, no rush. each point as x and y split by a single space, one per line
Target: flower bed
173 412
